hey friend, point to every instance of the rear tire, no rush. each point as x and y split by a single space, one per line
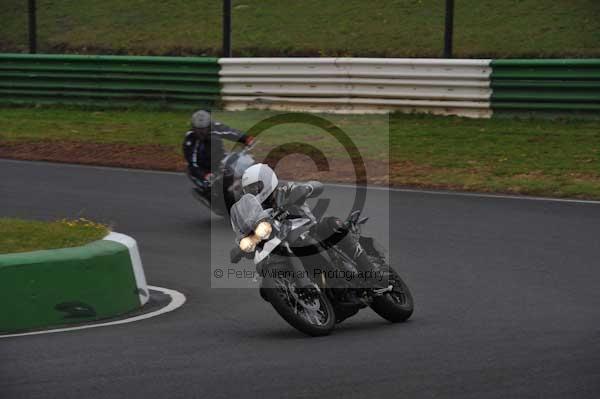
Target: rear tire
396 306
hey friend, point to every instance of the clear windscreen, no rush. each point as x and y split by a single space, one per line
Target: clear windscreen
245 214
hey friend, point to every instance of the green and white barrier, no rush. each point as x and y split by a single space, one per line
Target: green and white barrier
467 87
49 288
474 88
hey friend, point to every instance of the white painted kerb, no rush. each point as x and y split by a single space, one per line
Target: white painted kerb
136 261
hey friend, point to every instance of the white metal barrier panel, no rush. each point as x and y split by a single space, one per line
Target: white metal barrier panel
357 85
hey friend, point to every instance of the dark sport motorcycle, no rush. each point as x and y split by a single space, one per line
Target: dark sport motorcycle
268 236
225 188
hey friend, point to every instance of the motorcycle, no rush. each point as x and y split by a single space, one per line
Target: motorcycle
226 187
268 236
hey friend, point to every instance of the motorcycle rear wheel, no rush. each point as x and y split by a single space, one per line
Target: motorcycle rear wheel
396 306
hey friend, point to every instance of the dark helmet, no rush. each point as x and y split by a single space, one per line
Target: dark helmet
201 119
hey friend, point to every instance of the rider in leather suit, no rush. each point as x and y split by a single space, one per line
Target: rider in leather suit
203 146
260 180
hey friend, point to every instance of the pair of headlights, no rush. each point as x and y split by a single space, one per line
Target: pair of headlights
261 232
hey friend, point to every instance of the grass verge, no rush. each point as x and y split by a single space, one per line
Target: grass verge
559 158
27 235
387 28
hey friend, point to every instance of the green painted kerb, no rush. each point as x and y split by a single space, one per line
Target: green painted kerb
65 286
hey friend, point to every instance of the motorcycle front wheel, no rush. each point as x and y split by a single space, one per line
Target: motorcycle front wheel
315 317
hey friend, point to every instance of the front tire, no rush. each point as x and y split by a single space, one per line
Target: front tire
282 295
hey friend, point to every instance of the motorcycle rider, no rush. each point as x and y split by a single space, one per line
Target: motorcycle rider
203 146
261 181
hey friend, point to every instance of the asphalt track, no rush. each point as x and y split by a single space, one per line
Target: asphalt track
507 298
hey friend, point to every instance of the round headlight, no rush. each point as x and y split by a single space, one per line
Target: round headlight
263 230
247 244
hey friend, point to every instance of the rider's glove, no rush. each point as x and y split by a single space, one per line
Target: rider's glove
209 178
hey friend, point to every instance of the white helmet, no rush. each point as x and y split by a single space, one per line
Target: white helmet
260 181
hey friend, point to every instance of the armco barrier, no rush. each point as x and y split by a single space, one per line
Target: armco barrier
108 80
56 287
358 85
553 85
472 88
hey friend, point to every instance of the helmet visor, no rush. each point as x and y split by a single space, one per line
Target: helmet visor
254 188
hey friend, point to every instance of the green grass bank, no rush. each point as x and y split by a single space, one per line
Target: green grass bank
378 28
17 235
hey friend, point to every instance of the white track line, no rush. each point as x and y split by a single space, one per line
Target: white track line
177 300
342 185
